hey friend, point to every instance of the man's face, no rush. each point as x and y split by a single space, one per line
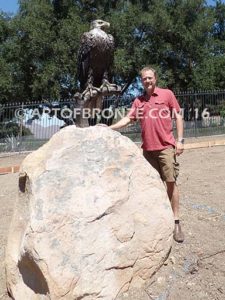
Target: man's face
148 81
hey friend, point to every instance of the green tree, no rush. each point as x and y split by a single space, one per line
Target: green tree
173 36
183 40
218 55
5 65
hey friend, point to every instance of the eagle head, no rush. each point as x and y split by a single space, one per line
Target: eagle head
100 24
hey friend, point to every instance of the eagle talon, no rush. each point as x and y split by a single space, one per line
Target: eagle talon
90 92
108 87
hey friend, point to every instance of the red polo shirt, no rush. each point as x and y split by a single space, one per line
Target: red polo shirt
155 116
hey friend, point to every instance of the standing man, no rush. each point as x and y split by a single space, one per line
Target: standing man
155 110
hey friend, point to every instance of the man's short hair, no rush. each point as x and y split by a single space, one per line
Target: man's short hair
148 68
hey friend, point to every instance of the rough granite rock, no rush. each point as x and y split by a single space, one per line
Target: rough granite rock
92 220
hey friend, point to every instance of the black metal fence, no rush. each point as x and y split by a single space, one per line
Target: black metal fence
26 126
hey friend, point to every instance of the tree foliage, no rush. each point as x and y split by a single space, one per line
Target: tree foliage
184 40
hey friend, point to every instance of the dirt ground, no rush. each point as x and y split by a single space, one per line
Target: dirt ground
195 269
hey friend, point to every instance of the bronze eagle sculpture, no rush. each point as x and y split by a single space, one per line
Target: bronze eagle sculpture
95 59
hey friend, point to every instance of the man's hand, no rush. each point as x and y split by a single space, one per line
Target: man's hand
179 148
102 125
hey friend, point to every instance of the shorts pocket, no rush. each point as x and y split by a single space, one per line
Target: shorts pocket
176 168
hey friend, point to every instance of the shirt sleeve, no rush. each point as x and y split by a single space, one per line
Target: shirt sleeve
132 114
173 104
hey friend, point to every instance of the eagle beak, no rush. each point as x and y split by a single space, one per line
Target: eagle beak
107 25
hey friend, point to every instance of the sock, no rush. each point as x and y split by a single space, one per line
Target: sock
177 221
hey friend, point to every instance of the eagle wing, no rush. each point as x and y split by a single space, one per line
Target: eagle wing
112 46
83 61
111 56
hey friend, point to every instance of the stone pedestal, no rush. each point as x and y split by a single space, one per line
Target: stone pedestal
92 219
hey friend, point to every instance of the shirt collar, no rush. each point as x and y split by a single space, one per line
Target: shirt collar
155 93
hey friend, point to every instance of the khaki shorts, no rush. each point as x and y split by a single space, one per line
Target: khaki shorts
164 161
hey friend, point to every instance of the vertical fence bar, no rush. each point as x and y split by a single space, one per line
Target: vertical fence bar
195 119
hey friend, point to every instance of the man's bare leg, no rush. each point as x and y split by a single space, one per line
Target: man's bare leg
173 194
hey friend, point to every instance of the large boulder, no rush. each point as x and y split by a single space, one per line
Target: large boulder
92 219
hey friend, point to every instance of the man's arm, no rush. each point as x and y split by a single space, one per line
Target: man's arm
180 131
121 123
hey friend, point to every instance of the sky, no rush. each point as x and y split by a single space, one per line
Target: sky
12 5
9 5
